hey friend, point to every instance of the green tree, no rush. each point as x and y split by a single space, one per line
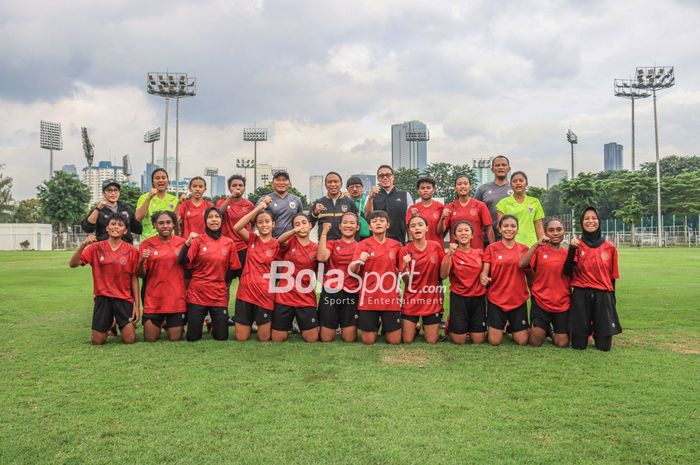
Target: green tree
580 192
680 194
6 201
29 211
405 179
672 165
267 189
552 203
446 175
629 193
630 211
129 195
64 200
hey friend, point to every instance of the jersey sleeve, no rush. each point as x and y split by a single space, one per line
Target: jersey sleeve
539 212
88 255
142 246
134 256
615 270
501 205
358 250
533 259
479 194
141 200
233 262
402 253
194 250
181 210
487 255
485 215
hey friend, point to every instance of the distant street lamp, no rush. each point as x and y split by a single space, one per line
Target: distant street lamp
177 86
50 138
150 138
656 77
255 135
627 88
417 136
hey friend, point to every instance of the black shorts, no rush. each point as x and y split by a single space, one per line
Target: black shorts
337 309
247 313
593 312
108 309
467 314
496 317
284 315
172 320
432 319
241 258
541 318
368 320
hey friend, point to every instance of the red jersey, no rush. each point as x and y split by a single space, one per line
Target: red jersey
210 259
165 292
432 214
379 275
112 270
465 273
474 211
254 285
303 258
596 268
192 217
234 212
508 287
422 294
341 256
551 288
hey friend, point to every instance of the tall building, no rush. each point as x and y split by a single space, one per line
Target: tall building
70 169
171 168
368 180
555 176
217 185
94 176
403 152
315 187
482 168
612 157
146 177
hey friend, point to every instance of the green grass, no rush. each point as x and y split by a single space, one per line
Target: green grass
65 401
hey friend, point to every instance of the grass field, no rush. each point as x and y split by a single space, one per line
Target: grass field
67 402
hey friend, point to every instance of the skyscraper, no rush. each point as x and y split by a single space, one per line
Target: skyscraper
555 176
482 168
70 169
315 187
612 157
403 152
93 176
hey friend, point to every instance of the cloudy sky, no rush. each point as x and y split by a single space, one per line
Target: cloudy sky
328 79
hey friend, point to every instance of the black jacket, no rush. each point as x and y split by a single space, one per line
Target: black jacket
100 228
335 209
395 203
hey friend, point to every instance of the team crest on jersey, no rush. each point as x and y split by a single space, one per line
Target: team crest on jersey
224 251
312 256
433 259
510 192
531 208
344 208
292 205
392 255
604 256
171 206
472 212
268 253
436 215
122 261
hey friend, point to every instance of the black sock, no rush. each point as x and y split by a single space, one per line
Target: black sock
603 343
579 342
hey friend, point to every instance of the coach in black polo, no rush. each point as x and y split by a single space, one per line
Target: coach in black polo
393 201
331 207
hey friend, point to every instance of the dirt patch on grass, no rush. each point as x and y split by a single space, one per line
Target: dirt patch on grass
680 342
411 357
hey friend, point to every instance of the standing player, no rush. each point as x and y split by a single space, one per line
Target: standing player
356 193
526 209
463 265
190 213
332 207
551 291
164 300
296 296
234 207
430 209
466 208
376 260
116 287
422 296
337 305
592 264
507 292
391 200
213 259
158 199
96 222
282 205
492 192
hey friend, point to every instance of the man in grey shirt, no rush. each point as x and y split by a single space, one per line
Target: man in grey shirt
492 192
283 205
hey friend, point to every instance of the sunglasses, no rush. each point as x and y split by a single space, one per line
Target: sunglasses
384 175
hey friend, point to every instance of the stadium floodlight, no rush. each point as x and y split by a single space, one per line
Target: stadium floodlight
416 135
150 138
255 135
211 172
50 138
572 138
245 164
627 88
172 85
88 146
656 78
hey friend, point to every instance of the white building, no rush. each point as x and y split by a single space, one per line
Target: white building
315 187
94 176
482 168
408 154
265 173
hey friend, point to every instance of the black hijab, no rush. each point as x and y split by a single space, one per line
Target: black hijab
592 239
213 234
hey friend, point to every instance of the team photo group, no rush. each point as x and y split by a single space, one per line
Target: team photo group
380 264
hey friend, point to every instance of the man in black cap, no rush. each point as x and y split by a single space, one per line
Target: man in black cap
98 219
331 207
356 192
283 205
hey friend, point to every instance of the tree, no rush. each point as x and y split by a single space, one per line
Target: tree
552 203
672 166
267 189
630 210
29 211
405 179
130 195
6 201
446 175
680 194
64 200
580 192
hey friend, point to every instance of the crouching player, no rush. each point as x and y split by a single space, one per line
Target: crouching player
116 287
376 261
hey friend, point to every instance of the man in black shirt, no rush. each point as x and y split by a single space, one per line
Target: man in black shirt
393 201
331 207
98 219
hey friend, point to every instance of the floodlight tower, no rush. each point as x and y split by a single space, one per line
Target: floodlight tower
416 135
150 138
573 139
653 78
211 172
627 88
88 147
245 164
177 86
255 135
50 138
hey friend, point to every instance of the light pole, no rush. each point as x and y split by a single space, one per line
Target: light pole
416 135
211 172
627 88
656 77
177 86
245 164
50 138
255 135
150 138
88 147
573 139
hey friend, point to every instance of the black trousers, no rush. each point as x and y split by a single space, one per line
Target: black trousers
195 320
